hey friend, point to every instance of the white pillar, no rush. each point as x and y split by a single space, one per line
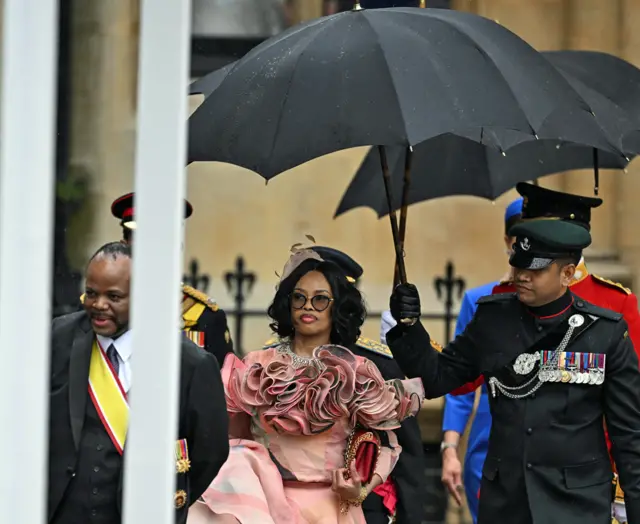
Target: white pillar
160 165
27 145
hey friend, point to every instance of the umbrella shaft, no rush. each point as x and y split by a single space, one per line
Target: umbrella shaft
392 216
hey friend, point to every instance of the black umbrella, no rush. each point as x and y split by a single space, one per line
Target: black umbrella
386 77
451 165
610 76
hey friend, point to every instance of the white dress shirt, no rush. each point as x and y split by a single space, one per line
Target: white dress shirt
123 350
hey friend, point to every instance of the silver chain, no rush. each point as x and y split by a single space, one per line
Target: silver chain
551 365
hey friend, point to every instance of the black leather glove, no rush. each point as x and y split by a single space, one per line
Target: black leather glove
405 303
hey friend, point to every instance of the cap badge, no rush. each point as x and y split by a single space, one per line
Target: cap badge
524 244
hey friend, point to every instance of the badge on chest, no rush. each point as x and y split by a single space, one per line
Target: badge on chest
197 337
539 366
183 465
574 368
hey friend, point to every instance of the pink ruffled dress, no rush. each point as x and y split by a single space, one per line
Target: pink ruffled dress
290 419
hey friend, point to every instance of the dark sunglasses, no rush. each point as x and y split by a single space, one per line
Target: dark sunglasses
318 302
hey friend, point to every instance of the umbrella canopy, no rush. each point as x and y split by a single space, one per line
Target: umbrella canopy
385 77
451 165
610 76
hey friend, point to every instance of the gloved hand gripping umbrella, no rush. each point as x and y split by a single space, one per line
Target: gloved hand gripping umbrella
385 77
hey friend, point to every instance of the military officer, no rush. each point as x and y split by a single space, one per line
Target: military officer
203 321
406 480
540 202
556 366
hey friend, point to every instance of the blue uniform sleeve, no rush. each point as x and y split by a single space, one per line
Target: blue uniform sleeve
458 408
467 309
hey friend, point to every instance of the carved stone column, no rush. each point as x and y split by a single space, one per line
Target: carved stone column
102 142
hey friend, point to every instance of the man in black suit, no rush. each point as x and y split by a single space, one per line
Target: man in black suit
556 367
90 380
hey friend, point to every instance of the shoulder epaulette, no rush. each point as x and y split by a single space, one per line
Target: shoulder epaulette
374 347
611 283
435 345
496 297
597 311
201 297
271 343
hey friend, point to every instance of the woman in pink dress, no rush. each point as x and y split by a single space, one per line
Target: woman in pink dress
294 406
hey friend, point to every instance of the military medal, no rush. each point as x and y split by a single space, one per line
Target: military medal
592 370
571 368
546 373
600 376
183 464
180 499
580 368
542 372
525 363
584 376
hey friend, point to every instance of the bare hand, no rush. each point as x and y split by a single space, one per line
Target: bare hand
452 475
347 489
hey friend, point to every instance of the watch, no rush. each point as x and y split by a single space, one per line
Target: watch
447 445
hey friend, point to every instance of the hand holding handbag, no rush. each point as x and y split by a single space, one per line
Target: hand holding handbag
363 447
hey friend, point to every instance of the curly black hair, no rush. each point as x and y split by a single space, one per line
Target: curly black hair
348 311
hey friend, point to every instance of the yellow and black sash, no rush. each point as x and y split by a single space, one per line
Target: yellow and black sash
110 400
108 397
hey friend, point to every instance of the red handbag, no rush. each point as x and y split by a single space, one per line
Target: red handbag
363 446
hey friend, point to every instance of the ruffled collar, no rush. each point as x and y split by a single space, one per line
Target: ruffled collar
311 397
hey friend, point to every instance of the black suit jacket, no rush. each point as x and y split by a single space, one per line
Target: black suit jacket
203 417
547 459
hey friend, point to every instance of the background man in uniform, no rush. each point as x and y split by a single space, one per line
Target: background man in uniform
89 412
406 482
556 366
203 321
458 408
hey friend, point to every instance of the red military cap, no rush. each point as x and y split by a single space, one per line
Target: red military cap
122 208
